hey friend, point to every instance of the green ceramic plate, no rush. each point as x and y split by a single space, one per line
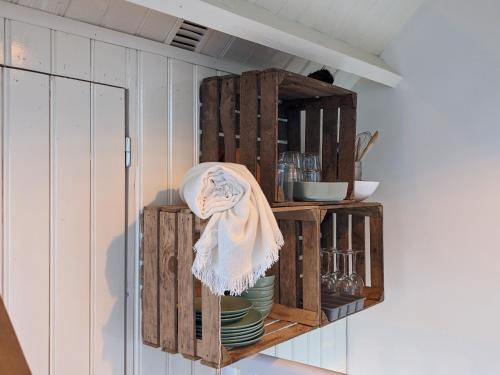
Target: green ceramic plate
264 281
253 318
254 294
245 343
240 338
226 316
243 332
264 304
261 289
229 305
269 298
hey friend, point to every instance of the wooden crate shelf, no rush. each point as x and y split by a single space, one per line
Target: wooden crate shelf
169 288
252 118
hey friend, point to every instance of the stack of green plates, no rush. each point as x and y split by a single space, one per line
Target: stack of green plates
261 295
245 331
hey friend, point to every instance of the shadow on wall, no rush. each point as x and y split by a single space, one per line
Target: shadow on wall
114 290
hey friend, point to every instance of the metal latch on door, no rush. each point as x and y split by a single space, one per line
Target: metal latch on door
128 152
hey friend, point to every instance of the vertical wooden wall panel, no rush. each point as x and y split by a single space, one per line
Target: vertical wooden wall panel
108 227
182 130
70 319
269 134
29 46
248 121
376 251
27 165
72 55
109 64
228 118
153 109
2 37
329 145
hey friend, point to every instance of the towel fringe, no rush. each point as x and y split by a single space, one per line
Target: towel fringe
218 284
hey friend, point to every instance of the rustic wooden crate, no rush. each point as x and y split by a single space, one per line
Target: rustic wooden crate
251 118
169 287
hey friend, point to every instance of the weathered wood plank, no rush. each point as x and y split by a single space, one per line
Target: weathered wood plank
329 145
311 266
293 134
358 243
290 314
288 262
376 252
228 118
313 127
248 120
150 323
342 229
269 134
186 320
168 282
210 120
12 360
347 135
211 343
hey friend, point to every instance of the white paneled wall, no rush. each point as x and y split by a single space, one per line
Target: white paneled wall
64 235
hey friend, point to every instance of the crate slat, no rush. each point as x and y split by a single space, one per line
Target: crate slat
268 134
347 135
186 320
228 118
210 120
211 344
311 266
248 120
288 263
293 129
342 229
376 252
313 118
329 145
168 282
150 324
358 242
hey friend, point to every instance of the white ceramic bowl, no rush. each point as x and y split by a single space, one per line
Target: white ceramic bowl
319 191
364 189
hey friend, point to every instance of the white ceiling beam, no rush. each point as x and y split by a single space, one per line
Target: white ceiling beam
245 20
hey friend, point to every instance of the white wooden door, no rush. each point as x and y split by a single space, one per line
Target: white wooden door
63 263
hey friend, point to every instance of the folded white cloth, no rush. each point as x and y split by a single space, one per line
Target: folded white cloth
242 239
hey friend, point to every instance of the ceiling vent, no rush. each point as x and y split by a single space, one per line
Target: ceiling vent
189 36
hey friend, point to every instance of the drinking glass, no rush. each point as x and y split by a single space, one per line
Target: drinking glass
356 280
287 175
311 167
336 274
295 158
327 284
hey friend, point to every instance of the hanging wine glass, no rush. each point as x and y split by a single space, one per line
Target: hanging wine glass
357 281
326 283
345 284
336 273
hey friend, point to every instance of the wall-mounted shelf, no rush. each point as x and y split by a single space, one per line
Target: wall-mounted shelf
169 288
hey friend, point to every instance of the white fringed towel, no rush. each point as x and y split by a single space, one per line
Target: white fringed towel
242 239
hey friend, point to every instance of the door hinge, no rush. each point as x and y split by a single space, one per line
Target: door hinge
128 152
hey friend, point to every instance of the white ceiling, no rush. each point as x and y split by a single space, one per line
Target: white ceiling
367 24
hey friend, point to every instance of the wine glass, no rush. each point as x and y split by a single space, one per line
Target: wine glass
345 284
337 273
357 281
327 283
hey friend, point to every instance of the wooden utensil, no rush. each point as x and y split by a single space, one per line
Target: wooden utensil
372 140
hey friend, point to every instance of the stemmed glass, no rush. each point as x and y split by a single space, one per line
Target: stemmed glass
356 280
327 284
345 284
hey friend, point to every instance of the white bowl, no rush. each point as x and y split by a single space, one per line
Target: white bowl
319 191
364 189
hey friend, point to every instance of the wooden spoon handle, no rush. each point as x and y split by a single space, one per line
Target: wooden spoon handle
372 140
